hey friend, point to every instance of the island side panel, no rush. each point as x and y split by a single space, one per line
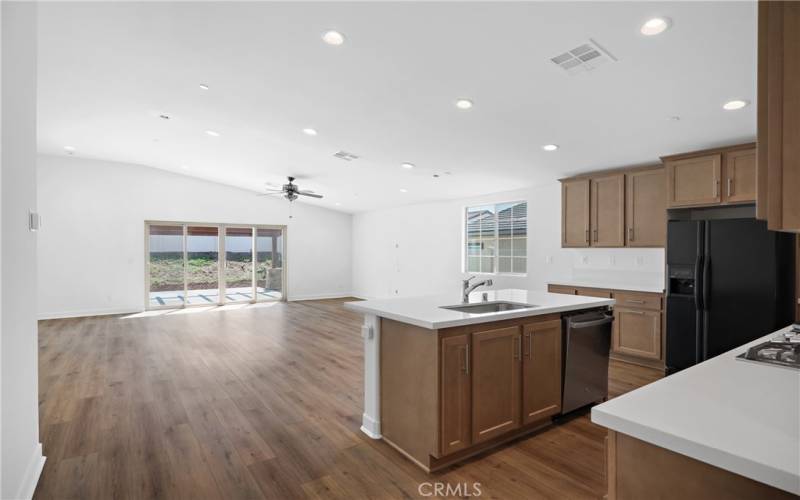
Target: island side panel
371 418
409 389
637 469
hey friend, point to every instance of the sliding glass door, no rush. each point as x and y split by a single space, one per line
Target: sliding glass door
239 264
269 271
213 264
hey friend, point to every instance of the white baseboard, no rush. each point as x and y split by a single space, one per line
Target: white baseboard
370 427
88 312
32 473
318 296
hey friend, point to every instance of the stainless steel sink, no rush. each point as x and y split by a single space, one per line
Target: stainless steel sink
489 307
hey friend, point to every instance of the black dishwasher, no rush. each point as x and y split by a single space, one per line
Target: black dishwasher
586 344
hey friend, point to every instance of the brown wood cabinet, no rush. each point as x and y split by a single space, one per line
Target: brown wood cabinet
497 361
594 292
778 154
456 394
575 213
645 212
541 371
625 207
740 176
718 176
451 393
694 181
637 332
567 290
607 214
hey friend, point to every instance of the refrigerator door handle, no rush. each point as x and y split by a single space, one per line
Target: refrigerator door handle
698 283
706 280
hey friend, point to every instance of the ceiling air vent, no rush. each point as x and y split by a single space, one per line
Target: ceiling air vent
344 155
585 57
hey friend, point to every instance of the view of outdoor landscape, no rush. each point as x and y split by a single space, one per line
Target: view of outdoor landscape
200 269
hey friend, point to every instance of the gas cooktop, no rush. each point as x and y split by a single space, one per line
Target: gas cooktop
783 350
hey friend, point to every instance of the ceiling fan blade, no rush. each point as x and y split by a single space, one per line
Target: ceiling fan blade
271 194
309 193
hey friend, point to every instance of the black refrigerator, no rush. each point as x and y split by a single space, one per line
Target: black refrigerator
729 281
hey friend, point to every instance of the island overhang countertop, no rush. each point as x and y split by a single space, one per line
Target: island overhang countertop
740 416
427 311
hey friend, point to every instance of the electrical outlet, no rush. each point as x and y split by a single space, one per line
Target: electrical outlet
612 260
548 259
640 261
585 259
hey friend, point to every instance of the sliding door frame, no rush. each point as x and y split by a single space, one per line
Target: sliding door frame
221 261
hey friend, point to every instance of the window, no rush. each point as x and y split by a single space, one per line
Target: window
212 264
497 238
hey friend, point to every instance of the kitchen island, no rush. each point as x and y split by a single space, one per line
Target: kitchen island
725 428
442 384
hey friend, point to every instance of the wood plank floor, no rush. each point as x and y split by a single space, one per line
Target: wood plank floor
263 402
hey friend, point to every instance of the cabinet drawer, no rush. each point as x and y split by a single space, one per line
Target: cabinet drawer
637 333
594 292
638 300
561 289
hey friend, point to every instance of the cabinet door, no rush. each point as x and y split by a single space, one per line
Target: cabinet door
608 211
740 176
637 333
646 214
694 181
497 362
541 370
575 213
456 394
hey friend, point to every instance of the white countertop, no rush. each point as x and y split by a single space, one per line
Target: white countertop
740 416
605 285
426 311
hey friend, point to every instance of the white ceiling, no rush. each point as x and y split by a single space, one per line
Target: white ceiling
107 70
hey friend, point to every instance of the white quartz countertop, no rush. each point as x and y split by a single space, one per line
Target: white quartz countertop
426 311
610 286
737 415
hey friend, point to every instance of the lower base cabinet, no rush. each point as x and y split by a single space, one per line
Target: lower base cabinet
491 383
637 333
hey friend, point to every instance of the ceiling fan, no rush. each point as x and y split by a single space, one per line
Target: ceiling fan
291 191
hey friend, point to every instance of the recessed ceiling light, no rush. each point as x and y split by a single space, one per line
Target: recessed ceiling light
212 133
735 104
463 104
674 118
338 204
333 37
408 165
185 167
203 86
403 190
310 131
655 26
164 116
550 147
69 149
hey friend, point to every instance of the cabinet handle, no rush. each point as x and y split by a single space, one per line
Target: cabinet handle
639 313
530 346
630 234
518 353
466 359
730 186
632 301
716 188
595 235
587 236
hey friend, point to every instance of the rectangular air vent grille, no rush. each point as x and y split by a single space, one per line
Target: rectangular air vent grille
585 57
344 155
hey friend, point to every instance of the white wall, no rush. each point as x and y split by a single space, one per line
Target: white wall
417 249
21 458
91 246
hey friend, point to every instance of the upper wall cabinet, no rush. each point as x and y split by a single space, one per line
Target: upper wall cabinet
607 217
646 202
617 209
711 177
575 213
779 115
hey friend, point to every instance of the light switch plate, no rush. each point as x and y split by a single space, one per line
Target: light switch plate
34 221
